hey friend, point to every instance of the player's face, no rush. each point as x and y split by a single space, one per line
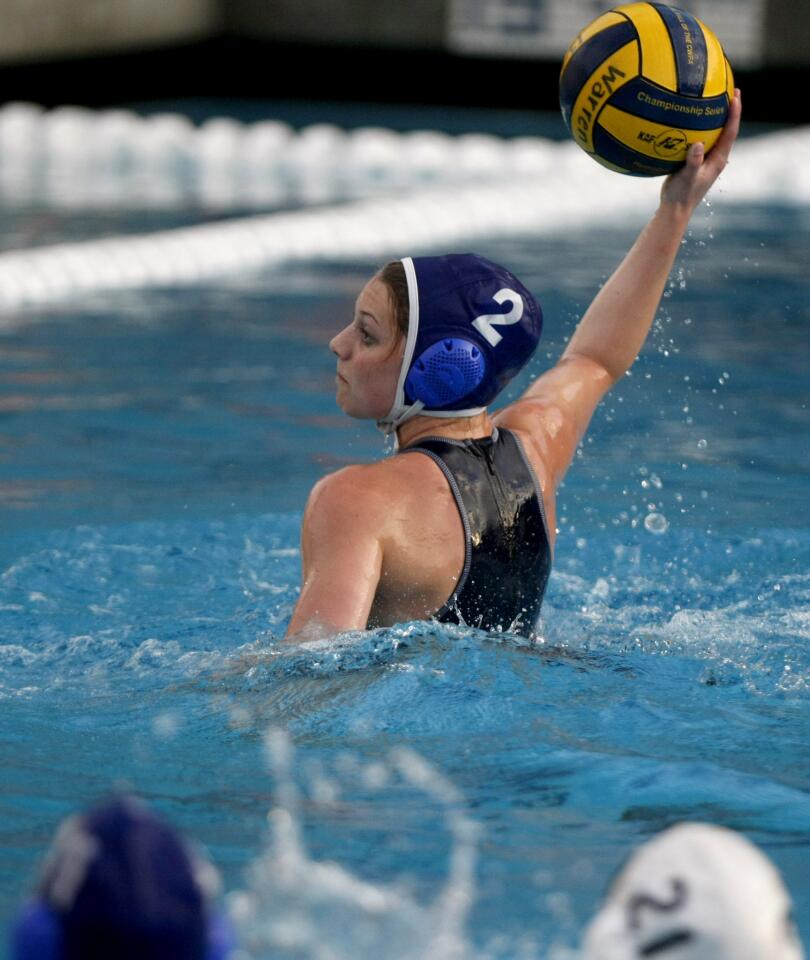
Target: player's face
369 355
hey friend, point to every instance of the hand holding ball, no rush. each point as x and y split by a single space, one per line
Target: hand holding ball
643 82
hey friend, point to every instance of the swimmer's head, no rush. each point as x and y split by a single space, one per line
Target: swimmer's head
470 327
695 892
119 882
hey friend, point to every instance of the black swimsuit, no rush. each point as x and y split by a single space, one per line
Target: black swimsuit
507 555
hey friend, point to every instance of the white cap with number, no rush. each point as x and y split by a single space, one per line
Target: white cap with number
695 892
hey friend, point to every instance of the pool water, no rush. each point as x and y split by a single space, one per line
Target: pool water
432 791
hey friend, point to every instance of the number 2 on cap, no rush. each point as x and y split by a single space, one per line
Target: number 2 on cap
486 325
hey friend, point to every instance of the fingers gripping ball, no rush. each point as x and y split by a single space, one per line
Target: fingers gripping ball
643 82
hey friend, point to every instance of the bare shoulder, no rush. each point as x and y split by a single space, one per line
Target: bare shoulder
371 478
354 489
344 480
571 388
555 411
535 423
541 418
361 493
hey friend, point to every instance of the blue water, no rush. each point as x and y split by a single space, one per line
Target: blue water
155 455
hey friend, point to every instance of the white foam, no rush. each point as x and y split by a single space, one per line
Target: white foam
301 906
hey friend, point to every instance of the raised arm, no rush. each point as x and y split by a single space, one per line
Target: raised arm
558 406
617 322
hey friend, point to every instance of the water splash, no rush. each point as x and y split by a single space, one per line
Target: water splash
656 523
309 908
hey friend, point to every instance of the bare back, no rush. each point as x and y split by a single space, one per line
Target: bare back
384 543
424 542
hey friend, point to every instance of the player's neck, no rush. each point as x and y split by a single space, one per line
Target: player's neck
454 428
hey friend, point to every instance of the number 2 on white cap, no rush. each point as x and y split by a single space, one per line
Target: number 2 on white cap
486 325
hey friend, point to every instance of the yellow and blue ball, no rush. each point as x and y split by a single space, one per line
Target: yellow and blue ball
641 83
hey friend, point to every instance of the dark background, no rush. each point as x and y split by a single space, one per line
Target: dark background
238 68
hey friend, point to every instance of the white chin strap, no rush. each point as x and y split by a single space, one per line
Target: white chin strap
401 411
398 416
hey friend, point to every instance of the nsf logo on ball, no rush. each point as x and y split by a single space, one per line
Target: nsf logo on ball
643 82
671 143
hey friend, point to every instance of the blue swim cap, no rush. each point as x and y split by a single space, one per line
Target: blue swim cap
119 882
473 325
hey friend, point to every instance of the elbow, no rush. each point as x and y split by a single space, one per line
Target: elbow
601 370
613 374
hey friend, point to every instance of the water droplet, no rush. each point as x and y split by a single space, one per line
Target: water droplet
656 523
165 725
702 444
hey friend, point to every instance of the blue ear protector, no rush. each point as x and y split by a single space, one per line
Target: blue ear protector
36 934
445 372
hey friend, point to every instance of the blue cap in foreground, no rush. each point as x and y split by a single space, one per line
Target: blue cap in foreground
119 882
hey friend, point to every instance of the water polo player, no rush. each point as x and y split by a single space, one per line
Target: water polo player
459 525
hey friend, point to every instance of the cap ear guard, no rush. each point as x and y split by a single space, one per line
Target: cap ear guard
36 934
221 937
446 372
